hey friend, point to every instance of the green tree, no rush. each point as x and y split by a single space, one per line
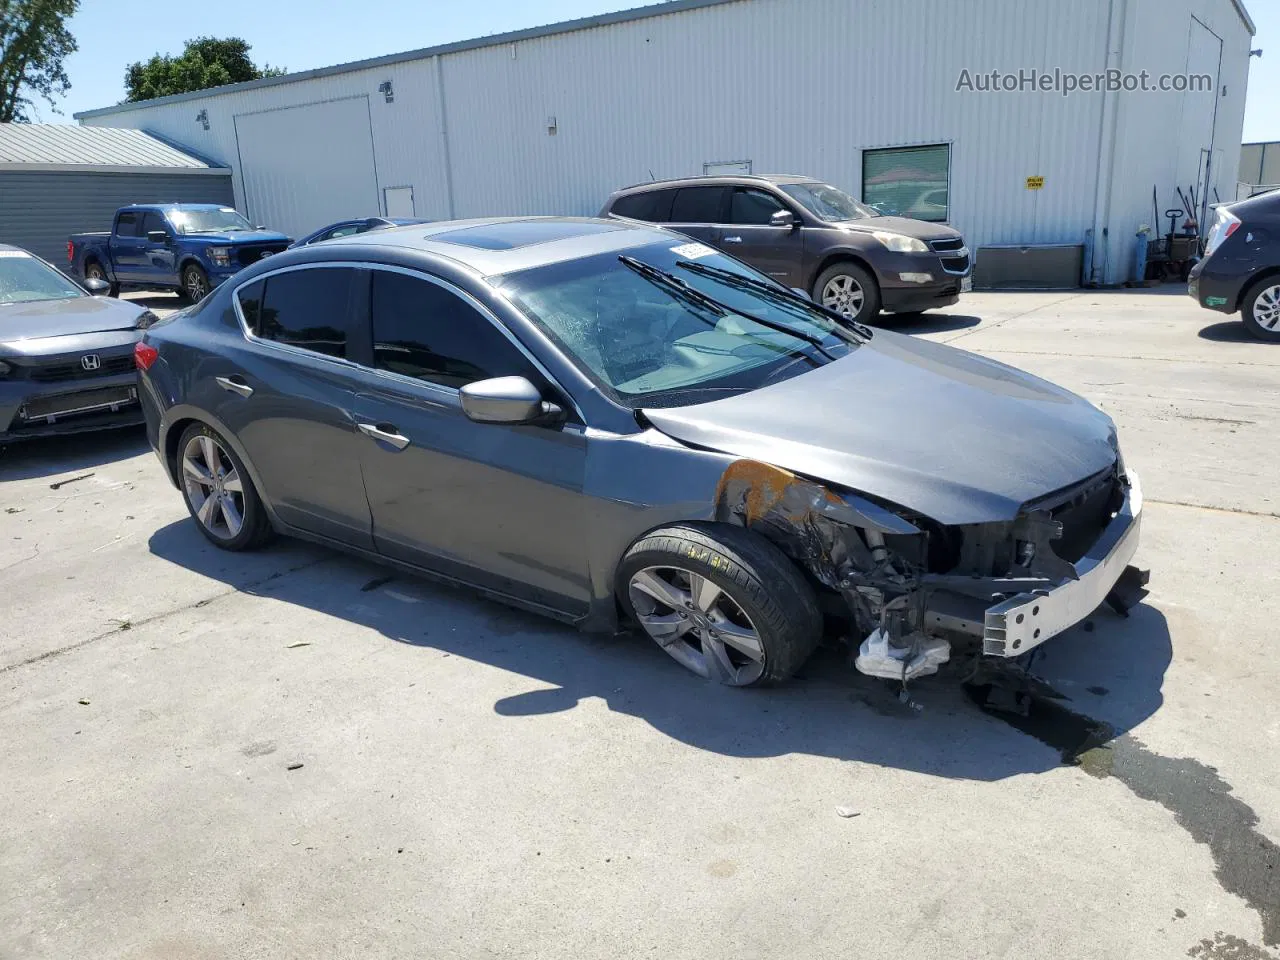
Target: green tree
33 43
204 62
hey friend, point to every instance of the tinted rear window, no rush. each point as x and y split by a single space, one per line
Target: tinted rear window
697 205
127 225
309 309
637 206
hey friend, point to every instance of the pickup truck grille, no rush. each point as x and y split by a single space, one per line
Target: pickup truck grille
252 254
57 372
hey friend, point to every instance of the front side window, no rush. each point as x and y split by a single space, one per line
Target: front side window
424 331
209 220
827 202
753 207
152 221
697 205
645 343
24 278
309 309
346 230
908 181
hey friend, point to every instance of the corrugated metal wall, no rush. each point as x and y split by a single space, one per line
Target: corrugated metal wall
38 210
800 86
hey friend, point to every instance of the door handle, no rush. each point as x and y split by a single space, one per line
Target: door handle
234 384
732 239
388 435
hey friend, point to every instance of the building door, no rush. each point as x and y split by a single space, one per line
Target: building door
398 202
305 166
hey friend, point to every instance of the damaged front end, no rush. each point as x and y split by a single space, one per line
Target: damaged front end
912 586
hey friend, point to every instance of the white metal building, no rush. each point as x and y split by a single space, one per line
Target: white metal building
551 120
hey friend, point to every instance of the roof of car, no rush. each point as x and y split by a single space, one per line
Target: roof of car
726 179
497 245
175 206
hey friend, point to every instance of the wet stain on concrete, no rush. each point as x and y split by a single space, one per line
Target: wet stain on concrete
722 868
1224 946
1246 862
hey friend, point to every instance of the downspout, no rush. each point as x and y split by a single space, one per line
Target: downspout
444 137
1104 182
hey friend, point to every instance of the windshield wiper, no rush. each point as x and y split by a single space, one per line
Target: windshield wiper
674 285
770 292
681 289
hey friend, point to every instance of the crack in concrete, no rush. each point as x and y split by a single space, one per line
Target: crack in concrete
163 615
1266 514
1016 316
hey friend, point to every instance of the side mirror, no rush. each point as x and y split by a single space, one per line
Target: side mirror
97 287
157 236
505 400
783 218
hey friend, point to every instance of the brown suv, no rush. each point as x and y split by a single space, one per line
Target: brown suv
810 235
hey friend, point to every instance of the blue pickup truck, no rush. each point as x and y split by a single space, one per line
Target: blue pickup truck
187 247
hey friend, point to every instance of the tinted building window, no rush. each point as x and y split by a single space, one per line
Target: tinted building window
753 206
310 309
908 181
697 205
424 331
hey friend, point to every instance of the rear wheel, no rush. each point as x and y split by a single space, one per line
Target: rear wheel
722 601
850 290
218 491
93 271
1261 309
195 283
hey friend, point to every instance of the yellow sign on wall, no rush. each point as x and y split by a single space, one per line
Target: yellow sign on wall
1035 183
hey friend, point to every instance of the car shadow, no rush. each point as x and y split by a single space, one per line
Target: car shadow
45 456
926 322
1111 671
1229 331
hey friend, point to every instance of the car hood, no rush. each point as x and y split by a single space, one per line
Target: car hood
237 237
43 319
920 229
940 431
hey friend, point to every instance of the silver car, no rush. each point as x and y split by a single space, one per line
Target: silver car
610 423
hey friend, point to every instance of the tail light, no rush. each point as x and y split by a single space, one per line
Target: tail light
144 355
71 251
1224 225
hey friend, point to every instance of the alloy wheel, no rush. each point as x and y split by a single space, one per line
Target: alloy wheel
844 295
213 487
1266 309
94 272
699 623
196 286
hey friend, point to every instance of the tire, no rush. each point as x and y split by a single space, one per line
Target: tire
195 283
203 443
93 271
761 621
1260 309
858 282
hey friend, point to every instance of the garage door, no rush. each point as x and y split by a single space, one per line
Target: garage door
306 166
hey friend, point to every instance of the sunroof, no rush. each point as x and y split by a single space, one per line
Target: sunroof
521 233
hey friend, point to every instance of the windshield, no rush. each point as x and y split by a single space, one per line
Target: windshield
219 220
24 278
649 339
827 202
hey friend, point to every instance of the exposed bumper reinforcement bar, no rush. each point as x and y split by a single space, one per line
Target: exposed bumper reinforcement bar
1023 622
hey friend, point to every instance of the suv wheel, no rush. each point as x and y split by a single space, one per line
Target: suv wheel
1261 309
848 289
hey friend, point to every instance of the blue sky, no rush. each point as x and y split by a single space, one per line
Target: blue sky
302 34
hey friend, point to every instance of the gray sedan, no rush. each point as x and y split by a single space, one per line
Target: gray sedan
66 358
611 423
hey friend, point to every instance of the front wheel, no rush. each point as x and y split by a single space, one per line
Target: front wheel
850 290
722 601
1261 309
195 283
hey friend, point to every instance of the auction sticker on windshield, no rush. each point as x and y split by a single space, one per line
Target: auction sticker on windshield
692 251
